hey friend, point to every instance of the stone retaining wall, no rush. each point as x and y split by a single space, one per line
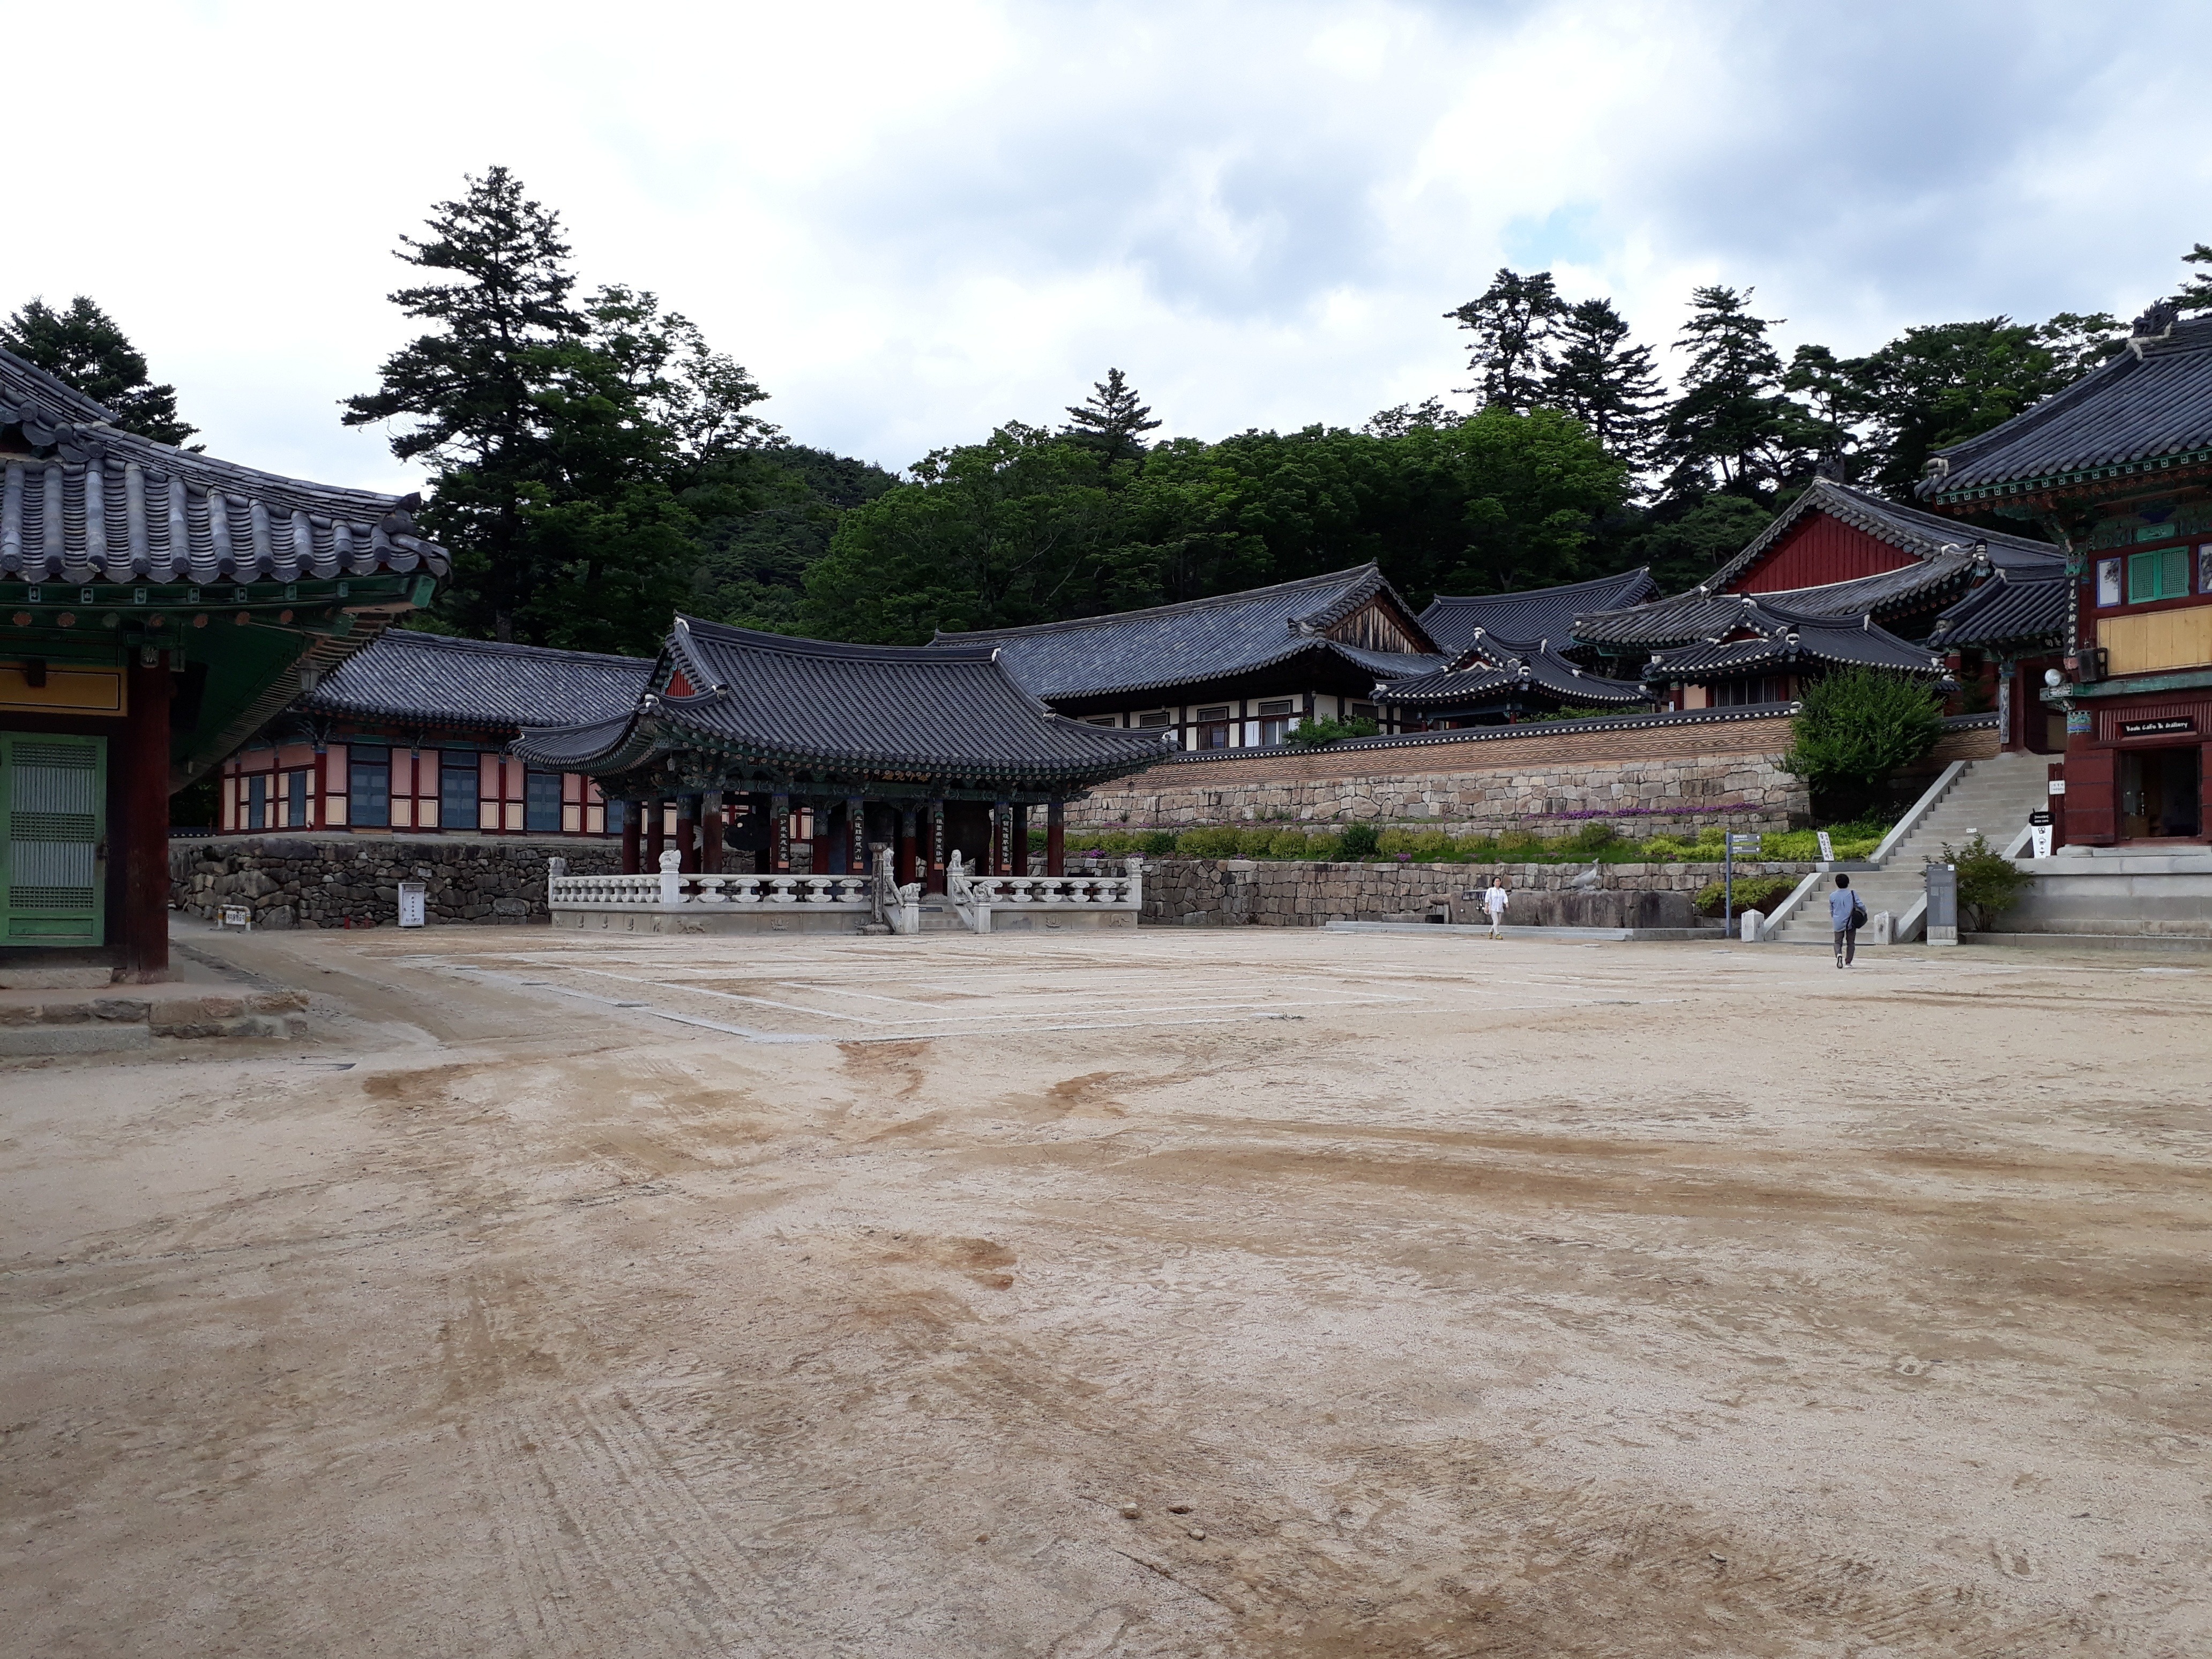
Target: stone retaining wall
1679 778
342 880
1268 894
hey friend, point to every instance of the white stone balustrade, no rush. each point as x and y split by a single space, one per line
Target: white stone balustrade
977 896
675 891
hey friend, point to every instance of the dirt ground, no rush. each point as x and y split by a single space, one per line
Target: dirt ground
1254 1292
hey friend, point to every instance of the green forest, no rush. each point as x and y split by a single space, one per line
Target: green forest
596 464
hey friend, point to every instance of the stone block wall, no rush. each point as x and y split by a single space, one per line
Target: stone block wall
1233 892
1672 778
341 880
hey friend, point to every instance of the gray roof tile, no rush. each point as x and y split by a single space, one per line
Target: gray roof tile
862 710
1539 613
1781 637
2022 612
2151 404
95 503
1198 639
437 681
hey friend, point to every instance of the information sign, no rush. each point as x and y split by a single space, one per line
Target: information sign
411 896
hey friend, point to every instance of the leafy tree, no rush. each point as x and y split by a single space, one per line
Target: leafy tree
1684 540
766 517
83 347
2079 343
1989 882
1732 429
1512 322
1110 420
1855 729
1400 418
1939 385
1596 376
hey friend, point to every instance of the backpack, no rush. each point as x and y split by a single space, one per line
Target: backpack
1858 913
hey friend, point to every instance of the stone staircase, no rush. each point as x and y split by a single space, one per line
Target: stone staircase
1994 795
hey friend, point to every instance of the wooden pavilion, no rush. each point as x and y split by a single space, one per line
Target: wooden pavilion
157 608
760 739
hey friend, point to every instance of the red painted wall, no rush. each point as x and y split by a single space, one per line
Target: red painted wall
1819 550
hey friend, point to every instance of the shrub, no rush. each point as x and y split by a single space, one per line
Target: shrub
1592 838
1988 882
1156 844
1759 893
1314 733
1355 843
1857 727
1294 844
1206 844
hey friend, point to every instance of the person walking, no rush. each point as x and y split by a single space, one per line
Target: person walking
1495 901
1846 916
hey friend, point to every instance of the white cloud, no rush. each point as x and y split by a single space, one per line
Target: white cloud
912 222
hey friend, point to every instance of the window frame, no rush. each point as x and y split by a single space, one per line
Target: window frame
378 771
2162 562
533 781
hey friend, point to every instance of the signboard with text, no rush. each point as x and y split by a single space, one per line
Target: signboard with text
2173 726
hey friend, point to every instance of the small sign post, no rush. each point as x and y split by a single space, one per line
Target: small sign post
1736 843
2039 833
1827 848
1943 903
237 916
411 896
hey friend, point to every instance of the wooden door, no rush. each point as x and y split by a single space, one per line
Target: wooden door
53 821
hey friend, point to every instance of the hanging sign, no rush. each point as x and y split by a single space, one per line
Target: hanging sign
2156 728
2077 720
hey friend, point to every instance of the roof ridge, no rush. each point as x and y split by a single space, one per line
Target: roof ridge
1334 576
1531 592
801 645
414 635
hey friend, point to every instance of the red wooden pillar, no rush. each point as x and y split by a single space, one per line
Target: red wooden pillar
1055 837
2055 774
687 827
1018 839
633 814
906 848
656 833
142 836
710 833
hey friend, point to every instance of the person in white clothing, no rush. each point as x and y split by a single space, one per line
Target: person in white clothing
1495 901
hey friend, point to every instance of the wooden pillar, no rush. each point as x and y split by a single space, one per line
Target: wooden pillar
1055 837
1018 839
656 833
856 835
906 847
1001 836
821 839
633 816
142 836
710 832
687 834
779 833
934 881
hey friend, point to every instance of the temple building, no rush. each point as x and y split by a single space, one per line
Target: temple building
159 608
1871 576
2119 467
1239 671
411 735
757 739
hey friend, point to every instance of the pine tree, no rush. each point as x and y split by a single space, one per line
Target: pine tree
1513 323
83 347
2197 293
1110 419
1731 428
1610 386
473 389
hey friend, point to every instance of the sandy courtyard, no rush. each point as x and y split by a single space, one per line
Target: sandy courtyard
1228 1293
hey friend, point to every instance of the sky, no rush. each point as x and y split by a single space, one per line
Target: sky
914 221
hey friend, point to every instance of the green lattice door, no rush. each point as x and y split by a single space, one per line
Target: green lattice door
53 797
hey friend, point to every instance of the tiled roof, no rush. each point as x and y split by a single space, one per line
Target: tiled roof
1534 614
935 711
1173 644
2146 410
95 503
2005 611
479 683
1923 535
1474 678
1781 636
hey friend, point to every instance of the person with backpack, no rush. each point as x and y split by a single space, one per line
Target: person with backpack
1846 916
